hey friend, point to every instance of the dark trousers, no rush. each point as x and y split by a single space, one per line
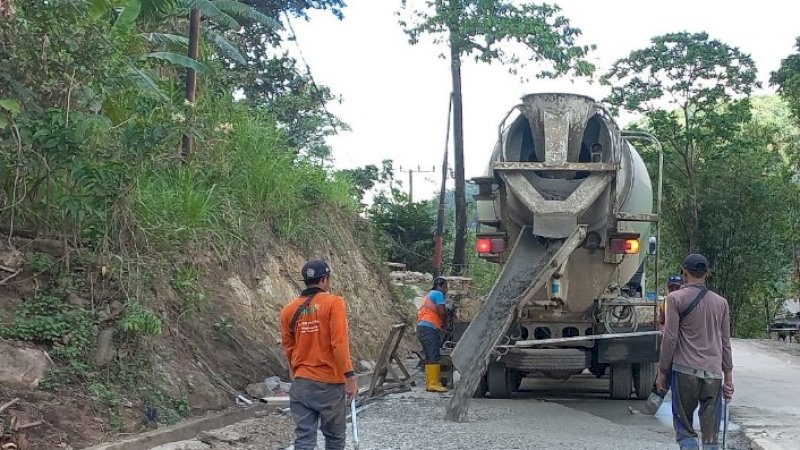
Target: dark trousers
689 392
318 405
431 341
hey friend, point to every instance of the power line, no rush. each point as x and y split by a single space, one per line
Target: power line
310 75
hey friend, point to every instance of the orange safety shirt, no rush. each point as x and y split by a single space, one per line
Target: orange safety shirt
319 350
428 312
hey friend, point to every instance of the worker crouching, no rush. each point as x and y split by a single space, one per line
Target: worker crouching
430 324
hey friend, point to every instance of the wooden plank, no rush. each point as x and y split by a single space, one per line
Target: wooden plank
384 366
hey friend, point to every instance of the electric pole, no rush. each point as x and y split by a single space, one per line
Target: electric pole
411 173
438 236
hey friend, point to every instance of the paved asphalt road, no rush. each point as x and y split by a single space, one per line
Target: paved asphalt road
767 400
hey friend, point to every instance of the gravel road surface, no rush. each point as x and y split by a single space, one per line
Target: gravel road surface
575 414
571 417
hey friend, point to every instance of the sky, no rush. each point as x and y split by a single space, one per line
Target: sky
395 95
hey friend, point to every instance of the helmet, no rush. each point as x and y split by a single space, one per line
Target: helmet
439 282
675 279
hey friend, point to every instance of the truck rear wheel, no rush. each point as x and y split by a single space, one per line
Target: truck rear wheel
644 377
621 381
500 380
481 390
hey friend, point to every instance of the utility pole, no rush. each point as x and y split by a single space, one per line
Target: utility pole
438 236
191 77
411 173
460 243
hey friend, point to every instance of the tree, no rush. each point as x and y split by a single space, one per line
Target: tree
747 239
368 177
405 229
787 80
693 91
489 30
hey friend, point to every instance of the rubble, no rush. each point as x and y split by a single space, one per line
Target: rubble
259 390
223 435
403 278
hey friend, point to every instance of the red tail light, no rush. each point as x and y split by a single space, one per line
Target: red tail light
484 245
625 246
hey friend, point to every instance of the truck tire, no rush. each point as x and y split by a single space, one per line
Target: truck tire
499 380
547 359
644 376
621 381
480 391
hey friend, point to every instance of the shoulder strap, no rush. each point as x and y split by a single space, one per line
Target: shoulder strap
694 303
299 310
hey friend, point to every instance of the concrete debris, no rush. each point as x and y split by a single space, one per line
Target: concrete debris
223 435
259 390
273 383
183 445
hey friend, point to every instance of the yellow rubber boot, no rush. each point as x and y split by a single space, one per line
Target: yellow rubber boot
433 373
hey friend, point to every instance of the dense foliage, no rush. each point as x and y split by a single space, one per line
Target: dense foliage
91 119
728 175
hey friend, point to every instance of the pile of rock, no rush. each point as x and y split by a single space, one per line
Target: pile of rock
404 278
270 387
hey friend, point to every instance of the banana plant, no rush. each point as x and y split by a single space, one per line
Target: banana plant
228 14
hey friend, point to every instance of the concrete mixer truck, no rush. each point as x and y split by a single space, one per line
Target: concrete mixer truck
566 207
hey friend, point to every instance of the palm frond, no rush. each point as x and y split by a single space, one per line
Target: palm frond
225 46
177 59
128 16
165 39
154 8
244 11
211 11
145 82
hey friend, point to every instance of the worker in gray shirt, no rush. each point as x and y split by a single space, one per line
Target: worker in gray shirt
696 356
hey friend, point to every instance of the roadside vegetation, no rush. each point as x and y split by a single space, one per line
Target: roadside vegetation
92 114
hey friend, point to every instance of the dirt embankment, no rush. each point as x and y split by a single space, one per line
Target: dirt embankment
203 356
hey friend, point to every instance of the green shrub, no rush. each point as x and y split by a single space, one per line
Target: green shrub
139 319
50 320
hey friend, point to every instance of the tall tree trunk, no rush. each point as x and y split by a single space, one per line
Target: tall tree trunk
191 77
459 250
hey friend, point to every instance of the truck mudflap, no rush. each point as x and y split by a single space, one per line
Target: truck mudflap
635 349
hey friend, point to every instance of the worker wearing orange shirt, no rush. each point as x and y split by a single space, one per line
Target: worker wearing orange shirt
431 317
314 335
